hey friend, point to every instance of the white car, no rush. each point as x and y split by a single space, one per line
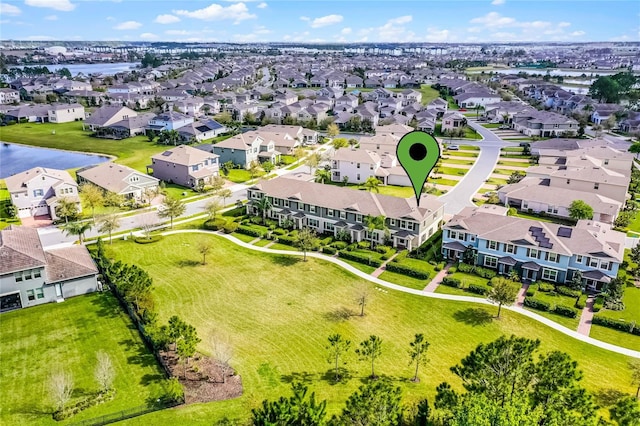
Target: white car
453 147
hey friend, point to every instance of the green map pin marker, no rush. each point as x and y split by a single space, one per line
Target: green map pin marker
418 152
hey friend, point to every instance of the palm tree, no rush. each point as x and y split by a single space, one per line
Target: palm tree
375 223
109 223
264 205
371 184
169 137
77 228
323 175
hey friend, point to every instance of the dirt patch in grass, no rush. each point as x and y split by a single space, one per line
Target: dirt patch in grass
203 381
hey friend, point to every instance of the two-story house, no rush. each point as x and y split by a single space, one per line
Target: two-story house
37 191
65 113
537 251
331 209
169 120
9 96
356 165
246 148
119 179
185 166
30 275
453 120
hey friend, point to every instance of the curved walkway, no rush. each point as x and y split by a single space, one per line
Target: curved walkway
378 281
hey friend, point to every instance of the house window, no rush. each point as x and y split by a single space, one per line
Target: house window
312 209
453 235
492 245
358 176
392 222
553 257
533 253
343 215
578 258
27 275
606 162
549 274
40 293
31 295
328 226
285 203
510 248
38 192
605 265
472 238
593 262
358 218
37 273
330 212
552 209
276 202
596 185
525 204
461 236
313 223
18 276
490 261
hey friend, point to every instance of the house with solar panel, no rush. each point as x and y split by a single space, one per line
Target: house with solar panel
537 251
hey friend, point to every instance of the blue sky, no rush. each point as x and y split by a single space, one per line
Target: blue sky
430 21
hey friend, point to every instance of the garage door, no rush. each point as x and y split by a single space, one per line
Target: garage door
41 210
9 302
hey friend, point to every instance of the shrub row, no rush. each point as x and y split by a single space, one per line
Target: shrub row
356 257
329 250
620 325
540 305
598 304
451 282
546 287
284 239
250 231
339 245
581 302
478 289
566 291
565 311
230 227
479 271
145 240
407 270
215 224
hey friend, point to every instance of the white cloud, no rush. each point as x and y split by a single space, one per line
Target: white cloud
51 18
345 31
305 18
504 28
110 18
128 25
577 33
261 30
39 38
166 19
61 5
176 32
236 12
498 2
392 30
148 36
493 19
7 9
262 5
436 35
325 21
400 20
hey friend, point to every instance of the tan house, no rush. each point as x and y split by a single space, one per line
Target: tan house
119 179
37 191
185 166
65 113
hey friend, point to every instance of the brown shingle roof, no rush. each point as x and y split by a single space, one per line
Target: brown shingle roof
20 249
69 263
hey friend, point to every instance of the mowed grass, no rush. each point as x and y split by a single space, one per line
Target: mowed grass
40 340
278 311
133 152
460 154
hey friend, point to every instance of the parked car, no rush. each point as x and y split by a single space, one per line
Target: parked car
453 147
504 127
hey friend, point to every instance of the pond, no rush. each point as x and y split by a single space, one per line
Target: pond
86 69
18 158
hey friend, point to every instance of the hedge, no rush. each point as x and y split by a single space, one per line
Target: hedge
478 289
565 311
451 282
214 224
407 270
531 291
620 325
566 291
485 273
250 231
598 304
145 240
463 267
329 250
546 287
339 245
290 241
581 302
540 305
230 227
359 258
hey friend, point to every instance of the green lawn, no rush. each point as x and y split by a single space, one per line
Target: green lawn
263 242
448 160
277 312
570 323
133 152
241 175
532 216
491 125
176 191
634 225
445 289
452 171
631 310
470 147
513 149
441 181
460 153
404 280
36 341
615 337
514 163
496 181
5 200
243 237
504 172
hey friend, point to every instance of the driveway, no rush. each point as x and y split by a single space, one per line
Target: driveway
460 196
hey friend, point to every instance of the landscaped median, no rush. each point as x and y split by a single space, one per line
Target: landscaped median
512 161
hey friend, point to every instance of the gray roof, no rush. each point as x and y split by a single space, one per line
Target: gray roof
18 182
366 203
184 155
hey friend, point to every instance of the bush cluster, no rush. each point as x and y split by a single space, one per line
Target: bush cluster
540 305
620 325
360 258
149 240
250 231
407 270
451 282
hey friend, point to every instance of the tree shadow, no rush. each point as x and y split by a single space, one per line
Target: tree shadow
303 377
473 316
608 397
329 376
185 263
285 260
107 304
141 356
148 379
339 314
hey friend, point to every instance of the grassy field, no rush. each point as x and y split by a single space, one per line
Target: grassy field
5 199
469 147
428 94
631 310
523 164
277 311
36 341
449 160
615 337
460 154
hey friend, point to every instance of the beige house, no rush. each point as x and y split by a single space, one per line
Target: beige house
37 191
122 180
65 113
453 120
185 166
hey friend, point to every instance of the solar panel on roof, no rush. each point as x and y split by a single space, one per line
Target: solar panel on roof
564 232
535 229
166 153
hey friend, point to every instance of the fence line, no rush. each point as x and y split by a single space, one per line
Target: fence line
123 415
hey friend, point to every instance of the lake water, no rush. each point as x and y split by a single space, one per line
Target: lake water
86 69
552 71
18 158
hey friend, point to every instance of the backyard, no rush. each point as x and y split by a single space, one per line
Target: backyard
37 341
277 312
